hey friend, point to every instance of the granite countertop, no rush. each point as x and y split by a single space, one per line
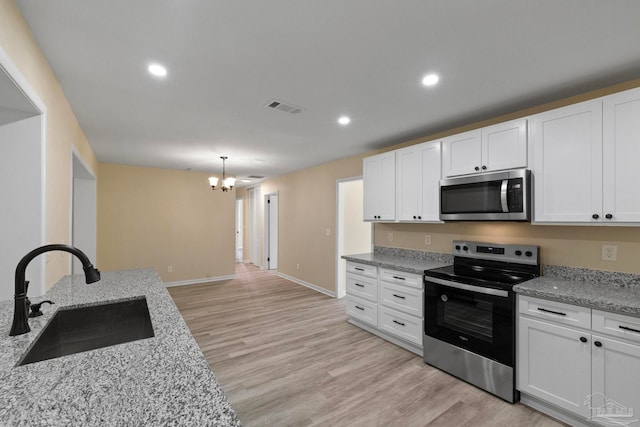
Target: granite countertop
608 291
410 261
164 380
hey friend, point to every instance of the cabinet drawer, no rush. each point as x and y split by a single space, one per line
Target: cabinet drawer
618 325
401 325
362 286
561 313
400 277
364 269
402 298
363 310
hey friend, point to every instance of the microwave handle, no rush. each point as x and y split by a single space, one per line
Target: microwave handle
503 195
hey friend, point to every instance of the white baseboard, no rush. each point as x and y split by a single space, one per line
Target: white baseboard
557 413
308 285
198 281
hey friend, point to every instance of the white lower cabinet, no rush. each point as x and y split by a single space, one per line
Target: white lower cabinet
588 369
389 305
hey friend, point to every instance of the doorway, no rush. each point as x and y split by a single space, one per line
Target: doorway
83 211
22 141
253 196
271 231
353 235
239 231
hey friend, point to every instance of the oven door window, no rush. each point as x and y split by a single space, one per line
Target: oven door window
480 323
466 315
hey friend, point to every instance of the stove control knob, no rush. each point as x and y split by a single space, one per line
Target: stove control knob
528 253
457 247
518 253
465 248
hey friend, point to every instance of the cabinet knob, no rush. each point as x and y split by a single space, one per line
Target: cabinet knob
414 217
477 168
484 168
595 216
419 217
597 344
608 216
583 339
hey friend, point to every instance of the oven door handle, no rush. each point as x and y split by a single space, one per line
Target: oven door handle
503 195
470 288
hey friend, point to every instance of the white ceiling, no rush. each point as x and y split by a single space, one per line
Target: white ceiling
363 58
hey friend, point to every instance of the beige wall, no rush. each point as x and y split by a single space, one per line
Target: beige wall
62 132
307 208
156 218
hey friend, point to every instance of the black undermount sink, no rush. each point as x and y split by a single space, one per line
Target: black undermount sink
74 330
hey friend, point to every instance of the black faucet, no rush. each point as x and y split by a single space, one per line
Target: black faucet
20 314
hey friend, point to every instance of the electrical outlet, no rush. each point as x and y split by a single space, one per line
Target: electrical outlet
170 269
427 239
298 266
390 236
609 252
327 231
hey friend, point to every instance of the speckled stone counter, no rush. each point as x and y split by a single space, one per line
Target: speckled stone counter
164 380
602 290
402 259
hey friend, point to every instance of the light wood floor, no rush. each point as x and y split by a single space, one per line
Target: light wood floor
286 356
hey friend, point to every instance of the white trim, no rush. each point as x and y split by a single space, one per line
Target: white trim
199 281
75 154
308 285
14 73
554 412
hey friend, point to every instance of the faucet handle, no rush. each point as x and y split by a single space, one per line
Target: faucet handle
35 308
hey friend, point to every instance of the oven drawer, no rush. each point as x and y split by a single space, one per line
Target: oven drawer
363 269
401 278
362 310
363 287
618 325
565 314
401 325
402 298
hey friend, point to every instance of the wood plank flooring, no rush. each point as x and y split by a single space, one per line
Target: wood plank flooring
286 356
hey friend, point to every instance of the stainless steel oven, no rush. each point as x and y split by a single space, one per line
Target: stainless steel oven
469 323
499 196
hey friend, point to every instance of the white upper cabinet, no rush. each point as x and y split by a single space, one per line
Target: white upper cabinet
584 161
566 146
498 147
621 154
418 176
379 180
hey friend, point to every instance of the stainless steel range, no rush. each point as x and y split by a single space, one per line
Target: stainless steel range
469 322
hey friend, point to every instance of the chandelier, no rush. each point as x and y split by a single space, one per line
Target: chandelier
227 183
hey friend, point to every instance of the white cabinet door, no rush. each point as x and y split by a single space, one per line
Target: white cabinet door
554 364
621 151
615 376
462 153
567 163
418 177
430 183
379 180
408 191
504 146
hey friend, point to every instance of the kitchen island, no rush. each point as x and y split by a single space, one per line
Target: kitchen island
164 380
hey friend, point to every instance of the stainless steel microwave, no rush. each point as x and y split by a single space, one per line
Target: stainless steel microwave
498 196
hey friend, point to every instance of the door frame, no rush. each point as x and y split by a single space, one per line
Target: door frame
341 285
240 230
271 235
13 72
87 228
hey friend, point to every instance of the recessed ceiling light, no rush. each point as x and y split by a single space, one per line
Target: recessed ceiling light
157 70
344 120
245 180
430 79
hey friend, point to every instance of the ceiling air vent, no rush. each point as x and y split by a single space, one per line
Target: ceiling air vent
255 177
284 107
